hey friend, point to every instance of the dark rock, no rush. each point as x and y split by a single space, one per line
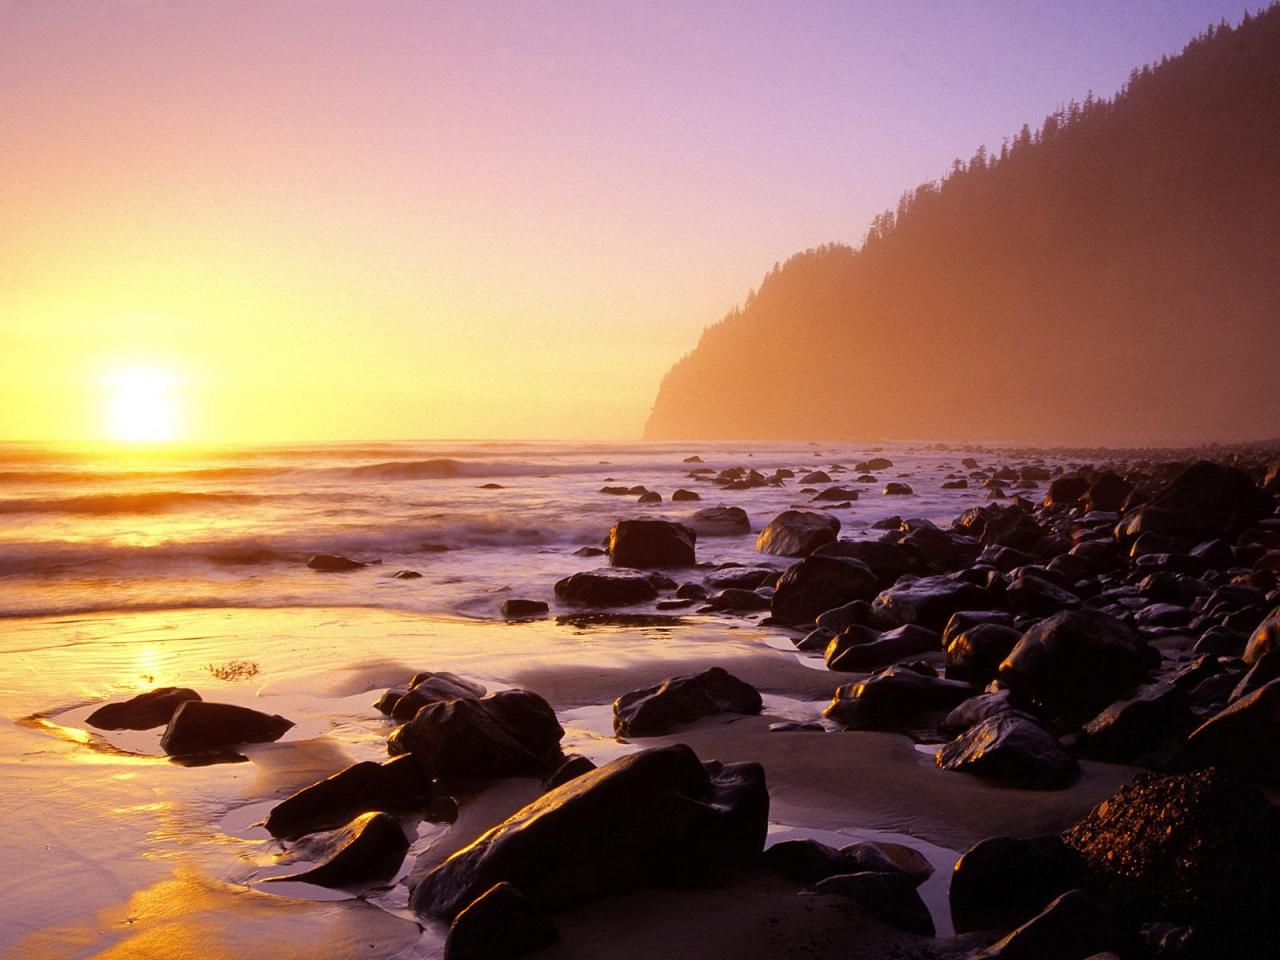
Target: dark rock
679 700
675 604
805 861
1003 881
406 575
741 578
683 496
146 710
1221 642
368 849
738 600
893 699
851 614
1197 848
1130 729
1242 739
960 484
589 552
816 477
649 497
692 591
861 648
330 563
1072 927
1265 639
432 687
928 601
512 733
817 584
797 533
1012 749
398 784
976 709
836 494
641 544
198 726
883 857
1107 493
896 489
1076 662
1205 500
889 897
654 818
888 561
1033 596
500 924
575 765
692 459
874 464
975 654
606 587
516 608
1066 491
720 522
815 641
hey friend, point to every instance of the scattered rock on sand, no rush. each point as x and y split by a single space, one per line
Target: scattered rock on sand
889 897
151 709
653 818
332 563
1244 738
644 544
500 924
575 765
684 496
893 699
928 601
1072 927
607 587
432 687
862 648
512 733
817 584
368 849
1012 749
1204 500
518 608
398 784
888 561
720 522
1002 882
797 533
198 726
895 488
975 653
679 700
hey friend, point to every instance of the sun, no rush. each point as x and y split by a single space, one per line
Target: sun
140 405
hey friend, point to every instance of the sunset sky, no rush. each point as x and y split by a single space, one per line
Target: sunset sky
315 220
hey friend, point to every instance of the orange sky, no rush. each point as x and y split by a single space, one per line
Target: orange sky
352 220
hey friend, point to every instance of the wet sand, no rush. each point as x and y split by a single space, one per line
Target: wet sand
112 850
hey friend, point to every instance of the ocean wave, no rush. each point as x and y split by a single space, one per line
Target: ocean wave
154 501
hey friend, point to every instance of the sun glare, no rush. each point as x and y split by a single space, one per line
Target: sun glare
141 406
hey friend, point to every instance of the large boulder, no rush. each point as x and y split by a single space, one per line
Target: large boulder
432 687
1137 726
1076 662
889 897
679 700
861 648
1066 491
154 708
607 587
928 601
817 584
368 849
1197 848
198 726
1205 500
797 533
721 522
1072 927
1107 493
1264 640
398 784
1001 882
512 733
651 543
655 818
1012 749
893 699
888 561
1244 739
500 924
975 653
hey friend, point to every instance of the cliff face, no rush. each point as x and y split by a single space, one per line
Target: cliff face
1113 278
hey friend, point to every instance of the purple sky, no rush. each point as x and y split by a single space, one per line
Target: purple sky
487 218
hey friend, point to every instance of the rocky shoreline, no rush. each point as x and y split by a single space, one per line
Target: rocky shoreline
1130 616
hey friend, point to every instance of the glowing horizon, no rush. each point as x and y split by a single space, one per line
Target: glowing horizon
470 220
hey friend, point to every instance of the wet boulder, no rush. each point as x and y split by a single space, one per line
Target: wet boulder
1205 500
645 544
1076 662
720 522
518 608
817 584
888 561
398 784
835 495
1066 491
861 648
607 587
332 563
367 850
889 897
198 726
574 765
976 709
512 733
1107 493
684 496
895 488
656 818
500 924
742 578
738 601
1138 725
1010 748
797 533
1034 596
1072 927
432 687
893 699
1244 738
151 709
1001 882
680 700
928 601
974 654
1265 639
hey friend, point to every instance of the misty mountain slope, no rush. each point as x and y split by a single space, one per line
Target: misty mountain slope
1112 278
